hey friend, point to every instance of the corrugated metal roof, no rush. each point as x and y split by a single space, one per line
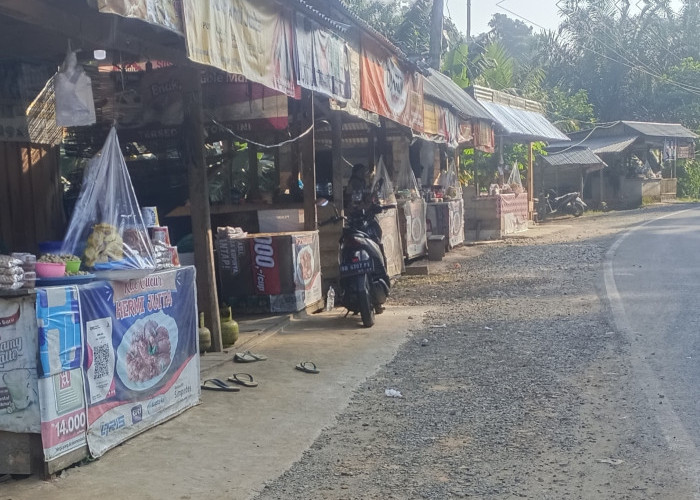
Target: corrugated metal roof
602 145
670 130
440 87
576 156
523 124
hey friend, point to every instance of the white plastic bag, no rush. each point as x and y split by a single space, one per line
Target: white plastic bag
106 228
74 103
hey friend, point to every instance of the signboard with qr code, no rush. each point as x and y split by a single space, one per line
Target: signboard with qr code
141 364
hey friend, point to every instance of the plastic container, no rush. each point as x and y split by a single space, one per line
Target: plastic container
50 269
29 280
72 266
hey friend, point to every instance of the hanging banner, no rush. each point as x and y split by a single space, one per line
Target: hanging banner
353 106
253 39
141 362
322 60
241 105
388 89
19 394
164 13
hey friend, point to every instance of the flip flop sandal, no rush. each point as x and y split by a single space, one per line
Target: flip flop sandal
307 367
248 357
244 379
215 384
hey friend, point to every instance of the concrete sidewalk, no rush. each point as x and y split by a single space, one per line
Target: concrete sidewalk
233 443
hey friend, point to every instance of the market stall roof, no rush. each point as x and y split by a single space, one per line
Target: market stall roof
665 130
601 145
575 156
518 118
441 88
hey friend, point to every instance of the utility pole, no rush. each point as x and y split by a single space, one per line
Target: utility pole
469 20
436 21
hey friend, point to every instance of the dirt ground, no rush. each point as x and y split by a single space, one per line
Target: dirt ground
516 385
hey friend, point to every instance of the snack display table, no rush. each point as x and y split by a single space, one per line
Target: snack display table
85 367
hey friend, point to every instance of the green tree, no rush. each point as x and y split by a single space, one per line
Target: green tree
689 179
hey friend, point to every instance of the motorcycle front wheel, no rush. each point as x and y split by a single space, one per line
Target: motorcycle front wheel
365 302
576 209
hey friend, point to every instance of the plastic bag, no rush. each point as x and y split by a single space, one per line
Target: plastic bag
406 184
106 228
448 180
382 187
514 180
74 103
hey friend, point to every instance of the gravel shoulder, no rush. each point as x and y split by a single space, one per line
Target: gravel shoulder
515 385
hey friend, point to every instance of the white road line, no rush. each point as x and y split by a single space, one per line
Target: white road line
671 426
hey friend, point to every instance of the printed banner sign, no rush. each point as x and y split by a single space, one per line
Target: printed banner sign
322 60
141 362
253 39
353 106
164 13
241 105
19 394
413 226
63 416
390 90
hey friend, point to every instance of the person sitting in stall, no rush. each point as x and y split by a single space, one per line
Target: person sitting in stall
357 192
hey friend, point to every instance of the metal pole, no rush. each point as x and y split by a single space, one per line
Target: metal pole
469 20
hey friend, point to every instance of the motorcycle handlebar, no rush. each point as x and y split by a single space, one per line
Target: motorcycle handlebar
332 220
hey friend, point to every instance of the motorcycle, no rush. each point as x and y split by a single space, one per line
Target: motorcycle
569 203
364 283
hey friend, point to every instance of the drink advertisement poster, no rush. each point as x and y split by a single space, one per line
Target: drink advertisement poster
141 364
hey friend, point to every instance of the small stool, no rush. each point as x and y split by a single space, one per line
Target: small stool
436 247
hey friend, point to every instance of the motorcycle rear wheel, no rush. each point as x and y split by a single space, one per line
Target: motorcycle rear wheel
576 209
365 303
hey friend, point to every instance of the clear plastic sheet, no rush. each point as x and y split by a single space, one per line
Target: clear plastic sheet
106 228
382 187
406 185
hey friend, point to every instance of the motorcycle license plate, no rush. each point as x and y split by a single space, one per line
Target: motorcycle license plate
361 267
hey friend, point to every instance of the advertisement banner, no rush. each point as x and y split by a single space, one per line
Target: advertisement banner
413 222
241 105
322 60
164 13
63 416
19 393
389 89
353 106
253 39
388 221
141 363
60 338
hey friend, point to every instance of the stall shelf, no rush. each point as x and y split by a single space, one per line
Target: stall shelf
446 219
88 366
494 216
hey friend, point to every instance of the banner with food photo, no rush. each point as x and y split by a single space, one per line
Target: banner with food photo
389 89
141 365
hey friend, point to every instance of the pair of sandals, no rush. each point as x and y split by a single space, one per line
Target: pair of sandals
216 384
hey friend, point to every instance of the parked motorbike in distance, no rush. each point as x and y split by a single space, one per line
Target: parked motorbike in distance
364 283
569 203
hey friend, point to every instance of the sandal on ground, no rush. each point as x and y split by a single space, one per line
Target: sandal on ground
215 384
248 357
307 367
244 379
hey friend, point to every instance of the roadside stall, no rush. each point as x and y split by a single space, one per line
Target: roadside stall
445 215
94 354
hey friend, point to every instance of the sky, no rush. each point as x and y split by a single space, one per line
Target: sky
537 12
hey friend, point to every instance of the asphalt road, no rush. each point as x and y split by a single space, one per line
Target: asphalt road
652 277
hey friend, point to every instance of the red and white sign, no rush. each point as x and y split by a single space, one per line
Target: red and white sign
389 89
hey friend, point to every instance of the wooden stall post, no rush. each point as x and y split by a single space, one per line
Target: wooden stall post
207 300
530 184
337 154
308 160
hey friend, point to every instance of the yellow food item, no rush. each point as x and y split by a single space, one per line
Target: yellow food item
103 244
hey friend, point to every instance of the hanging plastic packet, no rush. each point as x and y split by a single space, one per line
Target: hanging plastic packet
514 180
75 106
106 228
382 187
